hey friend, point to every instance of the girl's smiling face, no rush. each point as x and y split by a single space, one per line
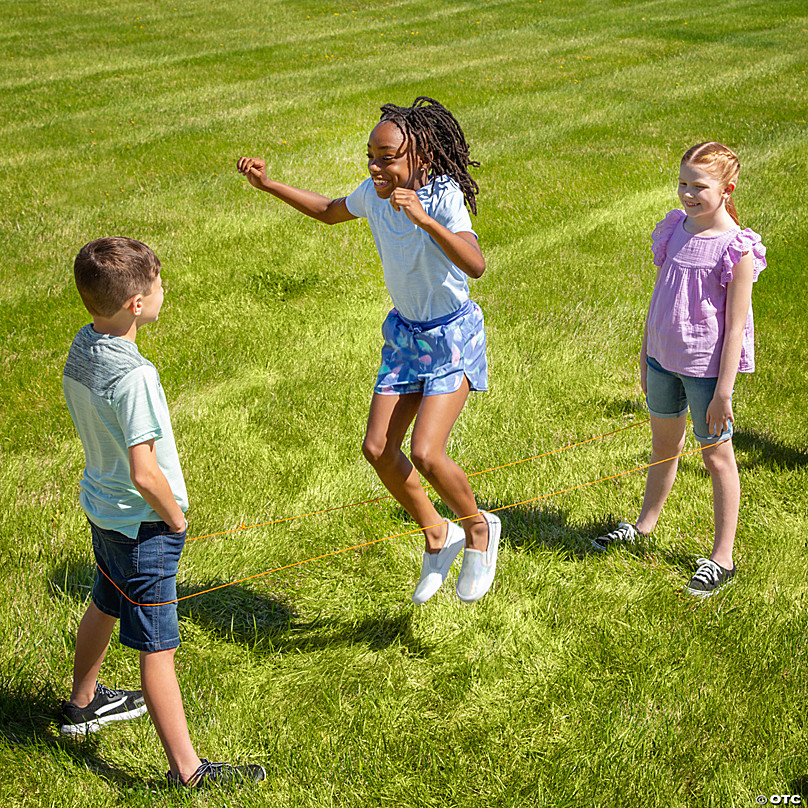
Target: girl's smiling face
392 161
702 195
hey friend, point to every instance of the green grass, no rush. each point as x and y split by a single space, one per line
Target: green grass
580 679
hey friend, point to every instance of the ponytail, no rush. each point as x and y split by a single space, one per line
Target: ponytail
720 161
438 136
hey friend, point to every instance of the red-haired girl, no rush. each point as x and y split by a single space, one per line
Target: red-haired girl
699 335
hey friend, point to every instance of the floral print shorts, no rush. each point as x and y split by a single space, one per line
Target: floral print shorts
417 358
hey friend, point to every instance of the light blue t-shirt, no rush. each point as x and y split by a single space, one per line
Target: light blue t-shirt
423 283
116 401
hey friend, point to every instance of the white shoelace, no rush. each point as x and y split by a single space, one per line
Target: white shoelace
708 572
622 534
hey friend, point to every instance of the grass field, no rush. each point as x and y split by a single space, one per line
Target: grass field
580 679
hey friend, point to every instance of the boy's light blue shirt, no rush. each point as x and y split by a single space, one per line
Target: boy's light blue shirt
116 401
423 283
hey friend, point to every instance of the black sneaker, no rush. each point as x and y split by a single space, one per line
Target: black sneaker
107 706
623 533
708 578
220 774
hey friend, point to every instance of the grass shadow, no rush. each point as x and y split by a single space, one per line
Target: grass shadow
762 449
378 632
234 613
528 528
265 624
799 785
28 714
237 613
633 410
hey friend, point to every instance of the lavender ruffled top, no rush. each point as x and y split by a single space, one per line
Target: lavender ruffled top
686 316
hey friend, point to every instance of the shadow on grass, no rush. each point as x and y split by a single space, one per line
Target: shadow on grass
378 631
530 527
628 408
764 450
264 623
799 786
27 716
760 448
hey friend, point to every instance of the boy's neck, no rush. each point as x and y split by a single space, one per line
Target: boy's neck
124 327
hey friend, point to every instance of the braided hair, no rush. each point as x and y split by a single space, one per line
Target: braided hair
437 135
720 161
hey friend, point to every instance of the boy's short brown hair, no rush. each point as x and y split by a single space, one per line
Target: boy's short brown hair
109 271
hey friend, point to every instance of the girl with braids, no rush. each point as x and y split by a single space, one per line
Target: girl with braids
434 338
698 336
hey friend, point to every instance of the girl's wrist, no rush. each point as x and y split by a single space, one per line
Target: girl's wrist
426 224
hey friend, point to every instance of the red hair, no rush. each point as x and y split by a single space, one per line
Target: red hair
720 161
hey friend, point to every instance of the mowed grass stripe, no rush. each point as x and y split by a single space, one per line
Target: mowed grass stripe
582 679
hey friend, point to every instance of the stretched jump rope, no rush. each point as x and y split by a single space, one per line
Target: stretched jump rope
282 520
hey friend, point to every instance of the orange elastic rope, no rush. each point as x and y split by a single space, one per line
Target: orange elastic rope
409 532
242 526
562 449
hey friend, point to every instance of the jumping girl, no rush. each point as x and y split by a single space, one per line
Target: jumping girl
434 338
698 335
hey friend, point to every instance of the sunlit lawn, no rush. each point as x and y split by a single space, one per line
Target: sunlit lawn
580 679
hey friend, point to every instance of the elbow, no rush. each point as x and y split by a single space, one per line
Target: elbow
331 213
322 216
143 481
476 269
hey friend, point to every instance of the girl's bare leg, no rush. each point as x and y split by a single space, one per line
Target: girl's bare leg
720 462
430 436
667 440
388 421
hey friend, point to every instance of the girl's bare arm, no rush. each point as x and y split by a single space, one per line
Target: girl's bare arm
328 211
461 248
739 297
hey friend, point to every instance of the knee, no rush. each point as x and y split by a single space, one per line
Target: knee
376 452
153 659
664 449
425 458
719 461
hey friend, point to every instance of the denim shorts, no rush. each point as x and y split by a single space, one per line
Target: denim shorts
432 358
670 394
145 570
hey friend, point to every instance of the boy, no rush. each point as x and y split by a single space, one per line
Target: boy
134 495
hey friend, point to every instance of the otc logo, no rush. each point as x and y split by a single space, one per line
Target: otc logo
779 799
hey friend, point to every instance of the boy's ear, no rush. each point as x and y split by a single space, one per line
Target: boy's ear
134 305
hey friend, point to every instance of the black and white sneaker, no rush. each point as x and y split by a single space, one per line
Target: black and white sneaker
623 533
708 578
220 774
107 706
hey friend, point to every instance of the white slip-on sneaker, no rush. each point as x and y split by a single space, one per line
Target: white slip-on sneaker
435 566
479 566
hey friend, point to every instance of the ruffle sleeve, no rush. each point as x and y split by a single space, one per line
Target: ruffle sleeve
662 235
745 241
